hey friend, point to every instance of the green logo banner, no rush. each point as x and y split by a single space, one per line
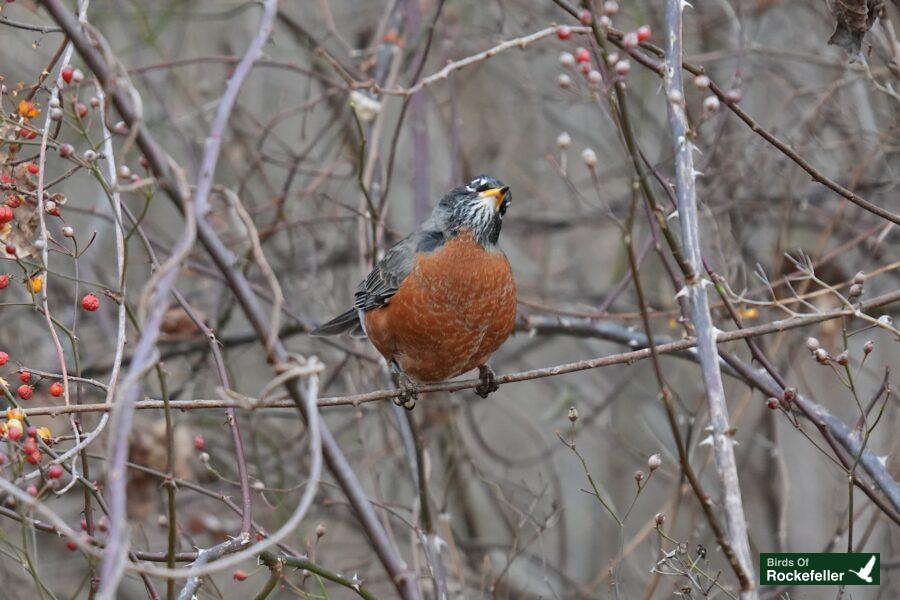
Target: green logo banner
819 568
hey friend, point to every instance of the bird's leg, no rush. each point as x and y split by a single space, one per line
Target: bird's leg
409 391
488 381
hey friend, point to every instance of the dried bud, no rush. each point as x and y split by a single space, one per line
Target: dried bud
77 76
710 104
654 462
89 156
859 278
589 157
584 68
563 140
124 172
630 39
821 355
772 403
573 414
660 519
789 394
94 101
56 114
567 59
611 7
594 77
812 344
605 22
68 232
868 347
585 17
50 206
54 103
856 291
121 128
623 67
66 150
733 96
701 81
675 97
842 359
258 485
639 476
564 81
321 530
613 58
204 457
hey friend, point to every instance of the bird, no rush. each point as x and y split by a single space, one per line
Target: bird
442 300
866 572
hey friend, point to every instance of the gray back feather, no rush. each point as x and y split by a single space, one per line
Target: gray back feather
390 272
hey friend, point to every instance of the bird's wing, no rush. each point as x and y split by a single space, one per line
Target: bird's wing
390 272
868 568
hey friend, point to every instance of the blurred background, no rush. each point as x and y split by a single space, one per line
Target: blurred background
510 499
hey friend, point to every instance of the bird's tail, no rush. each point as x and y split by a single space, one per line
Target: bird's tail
341 323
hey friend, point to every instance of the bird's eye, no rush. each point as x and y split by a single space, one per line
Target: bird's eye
483 186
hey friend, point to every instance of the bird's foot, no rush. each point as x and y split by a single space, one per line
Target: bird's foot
488 382
409 392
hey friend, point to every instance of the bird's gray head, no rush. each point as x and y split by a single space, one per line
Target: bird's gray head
477 207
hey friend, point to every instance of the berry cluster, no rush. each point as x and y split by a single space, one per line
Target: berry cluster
581 59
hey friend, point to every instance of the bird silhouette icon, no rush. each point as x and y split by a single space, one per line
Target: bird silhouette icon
866 572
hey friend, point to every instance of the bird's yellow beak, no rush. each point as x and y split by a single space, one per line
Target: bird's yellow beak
498 195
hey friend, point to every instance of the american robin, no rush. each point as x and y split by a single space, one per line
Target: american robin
443 299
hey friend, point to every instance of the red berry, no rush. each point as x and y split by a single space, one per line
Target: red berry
29 447
13 201
4 357
14 433
67 74
54 472
10 249
35 457
24 391
643 33
563 32
56 389
84 524
90 303
32 431
32 490
240 575
33 168
582 55
199 443
25 376
585 16
772 403
71 545
81 110
6 214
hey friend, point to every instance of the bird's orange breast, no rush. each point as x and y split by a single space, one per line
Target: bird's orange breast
456 307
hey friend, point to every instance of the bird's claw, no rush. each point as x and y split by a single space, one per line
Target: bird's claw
409 393
488 382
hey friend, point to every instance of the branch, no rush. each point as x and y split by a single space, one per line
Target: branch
160 165
723 444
